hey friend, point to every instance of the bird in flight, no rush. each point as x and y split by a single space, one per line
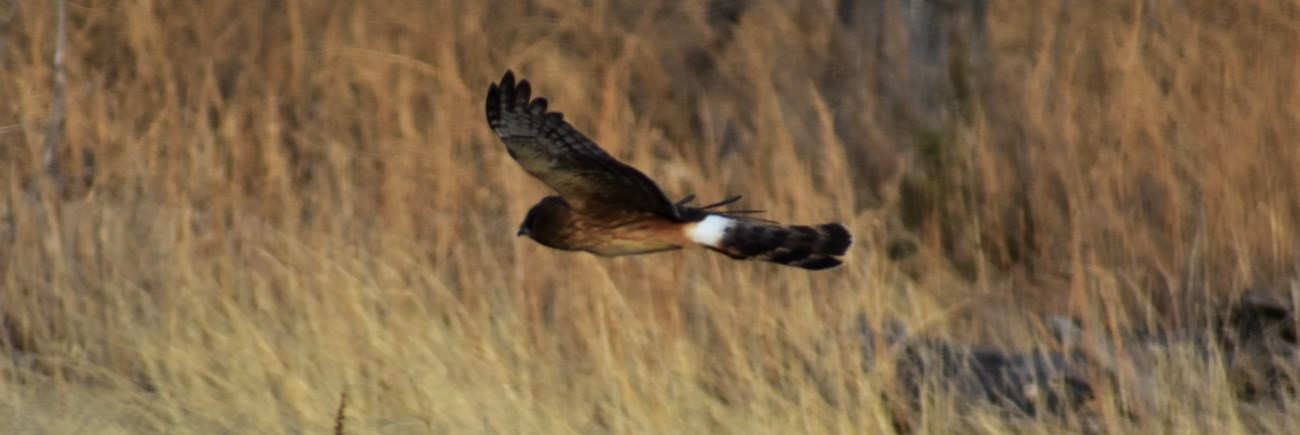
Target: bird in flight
608 208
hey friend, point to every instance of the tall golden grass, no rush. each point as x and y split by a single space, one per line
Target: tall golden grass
257 207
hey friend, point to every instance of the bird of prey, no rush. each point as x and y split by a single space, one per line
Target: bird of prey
609 208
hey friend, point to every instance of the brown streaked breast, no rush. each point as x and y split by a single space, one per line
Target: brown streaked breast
625 233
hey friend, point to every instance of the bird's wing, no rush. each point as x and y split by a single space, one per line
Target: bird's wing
566 160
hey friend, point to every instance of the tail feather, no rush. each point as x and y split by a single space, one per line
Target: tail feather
810 247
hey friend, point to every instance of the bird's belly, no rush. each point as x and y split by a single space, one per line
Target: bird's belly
629 247
613 238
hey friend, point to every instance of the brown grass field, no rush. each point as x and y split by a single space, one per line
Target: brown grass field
252 208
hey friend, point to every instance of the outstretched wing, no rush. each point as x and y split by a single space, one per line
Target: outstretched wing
564 159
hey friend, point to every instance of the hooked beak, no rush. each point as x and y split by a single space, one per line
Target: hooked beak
523 231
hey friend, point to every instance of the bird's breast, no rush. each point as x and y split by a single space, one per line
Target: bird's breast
622 234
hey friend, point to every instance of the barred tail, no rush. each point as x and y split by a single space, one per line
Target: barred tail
809 247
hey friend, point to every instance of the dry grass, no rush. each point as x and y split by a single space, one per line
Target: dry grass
261 207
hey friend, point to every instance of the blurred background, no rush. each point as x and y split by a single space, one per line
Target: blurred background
221 216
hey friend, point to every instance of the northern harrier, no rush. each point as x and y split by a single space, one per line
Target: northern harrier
609 208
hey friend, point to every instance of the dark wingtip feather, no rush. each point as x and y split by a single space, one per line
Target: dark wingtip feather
493 108
508 80
523 92
538 106
724 202
498 94
819 263
514 94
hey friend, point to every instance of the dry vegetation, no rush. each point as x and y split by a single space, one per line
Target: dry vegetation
255 208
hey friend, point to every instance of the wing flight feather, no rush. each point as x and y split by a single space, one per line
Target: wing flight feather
562 157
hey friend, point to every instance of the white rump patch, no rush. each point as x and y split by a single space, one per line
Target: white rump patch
709 231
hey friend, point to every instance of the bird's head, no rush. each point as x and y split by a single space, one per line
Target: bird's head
544 219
